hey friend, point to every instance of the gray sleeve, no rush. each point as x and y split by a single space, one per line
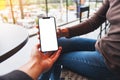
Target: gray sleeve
16 75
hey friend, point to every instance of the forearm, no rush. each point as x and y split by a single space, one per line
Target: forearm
32 68
79 29
85 27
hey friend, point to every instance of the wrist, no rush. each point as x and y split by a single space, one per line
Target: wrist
65 32
32 68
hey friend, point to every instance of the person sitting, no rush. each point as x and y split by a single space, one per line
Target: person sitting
96 59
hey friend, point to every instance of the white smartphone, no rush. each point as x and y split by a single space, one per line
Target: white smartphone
48 36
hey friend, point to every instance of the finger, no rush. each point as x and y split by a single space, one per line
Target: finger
38 45
58 32
35 49
37 26
38 37
55 56
58 29
38 32
48 54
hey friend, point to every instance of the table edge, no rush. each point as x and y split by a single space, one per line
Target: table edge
12 52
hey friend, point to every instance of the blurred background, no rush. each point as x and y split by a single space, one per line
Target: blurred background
27 12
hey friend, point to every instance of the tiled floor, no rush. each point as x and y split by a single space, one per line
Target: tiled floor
69 75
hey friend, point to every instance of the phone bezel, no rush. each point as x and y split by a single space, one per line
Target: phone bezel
55 34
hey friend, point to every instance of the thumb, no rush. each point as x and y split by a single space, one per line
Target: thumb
55 56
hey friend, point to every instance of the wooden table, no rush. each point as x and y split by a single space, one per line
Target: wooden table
12 39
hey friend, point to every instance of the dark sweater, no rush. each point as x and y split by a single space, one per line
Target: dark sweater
109 45
16 75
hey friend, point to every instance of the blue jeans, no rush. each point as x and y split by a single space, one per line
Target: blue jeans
80 56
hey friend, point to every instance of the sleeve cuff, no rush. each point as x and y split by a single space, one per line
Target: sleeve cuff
16 75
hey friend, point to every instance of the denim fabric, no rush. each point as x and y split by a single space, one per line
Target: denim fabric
79 55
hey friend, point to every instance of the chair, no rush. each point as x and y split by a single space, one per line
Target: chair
83 9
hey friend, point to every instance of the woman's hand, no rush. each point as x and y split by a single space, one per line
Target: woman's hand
62 32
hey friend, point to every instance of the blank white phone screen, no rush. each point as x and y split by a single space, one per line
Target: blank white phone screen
48 34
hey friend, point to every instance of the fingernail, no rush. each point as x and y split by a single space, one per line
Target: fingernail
60 48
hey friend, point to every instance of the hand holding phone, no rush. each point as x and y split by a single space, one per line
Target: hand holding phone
48 36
